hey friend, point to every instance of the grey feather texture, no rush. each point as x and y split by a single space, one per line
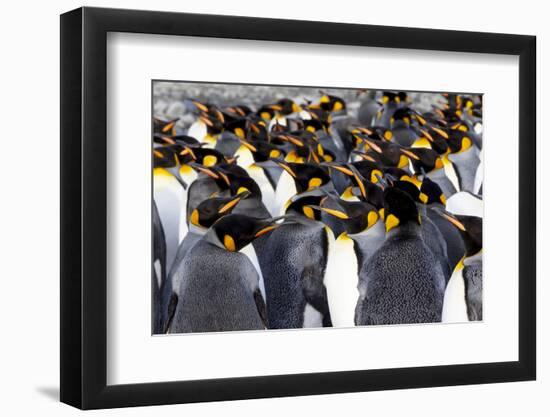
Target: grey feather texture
402 283
293 268
473 279
216 292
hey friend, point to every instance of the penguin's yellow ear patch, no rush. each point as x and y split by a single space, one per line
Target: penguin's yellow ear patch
443 199
229 243
372 218
195 217
391 222
314 183
308 212
239 132
375 173
274 153
209 160
337 106
424 198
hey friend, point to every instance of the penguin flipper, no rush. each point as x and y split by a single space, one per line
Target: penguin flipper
172 304
315 293
260 305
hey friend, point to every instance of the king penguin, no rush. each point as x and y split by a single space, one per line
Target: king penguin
402 282
294 268
202 217
360 235
219 290
464 293
169 197
159 268
432 195
432 236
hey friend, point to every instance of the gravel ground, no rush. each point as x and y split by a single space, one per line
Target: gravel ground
170 99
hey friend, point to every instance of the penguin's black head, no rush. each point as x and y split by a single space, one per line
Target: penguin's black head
409 188
211 209
214 123
285 106
306 176
262 151
239 111
162 139
381 133
302 204
165 157
313 125
426 159
399 208
239 184
266 113
459 141
204 156
184 140
332 103
430 192
461 126
257 129
164 127
368 170
354 216
437 142
388 153
390 97
470 228
237 127
398 173
234 231
323 116
402 114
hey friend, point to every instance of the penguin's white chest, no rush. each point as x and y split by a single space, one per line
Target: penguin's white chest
268 193
341 281
286 188
250 253
464 203
169 197
197 130
454 301
188 175
450 173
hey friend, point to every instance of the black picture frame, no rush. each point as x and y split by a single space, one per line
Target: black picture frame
84 207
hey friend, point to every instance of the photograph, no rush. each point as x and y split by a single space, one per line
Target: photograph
294 207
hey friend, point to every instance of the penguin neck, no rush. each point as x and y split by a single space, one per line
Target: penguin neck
408 229
435 205
201 231
421 209
477 258
376 230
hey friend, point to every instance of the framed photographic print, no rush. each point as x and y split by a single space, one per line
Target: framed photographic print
256 208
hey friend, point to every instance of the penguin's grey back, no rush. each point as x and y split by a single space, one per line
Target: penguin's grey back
434 240
455 244
403 284
293 262
473 281
216 292
466 164
168 294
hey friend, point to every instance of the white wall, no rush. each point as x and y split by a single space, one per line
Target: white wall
29 300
